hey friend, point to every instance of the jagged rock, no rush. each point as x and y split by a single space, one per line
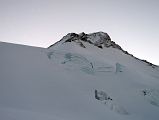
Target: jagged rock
99 39
100 95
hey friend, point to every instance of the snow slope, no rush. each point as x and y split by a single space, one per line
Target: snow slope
76 80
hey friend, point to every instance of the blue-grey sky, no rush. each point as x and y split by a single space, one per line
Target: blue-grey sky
133 24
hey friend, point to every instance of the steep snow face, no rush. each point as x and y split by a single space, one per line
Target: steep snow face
73 81
99 45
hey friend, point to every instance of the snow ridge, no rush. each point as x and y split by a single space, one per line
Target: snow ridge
97 39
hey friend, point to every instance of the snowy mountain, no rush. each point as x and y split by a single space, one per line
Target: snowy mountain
81 77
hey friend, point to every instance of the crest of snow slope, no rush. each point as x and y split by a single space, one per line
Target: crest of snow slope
78 79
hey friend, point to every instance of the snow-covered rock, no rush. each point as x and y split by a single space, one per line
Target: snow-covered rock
99 39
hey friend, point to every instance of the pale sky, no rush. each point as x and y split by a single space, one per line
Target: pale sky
133 24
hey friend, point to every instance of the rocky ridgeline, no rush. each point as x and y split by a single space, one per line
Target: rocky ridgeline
99 39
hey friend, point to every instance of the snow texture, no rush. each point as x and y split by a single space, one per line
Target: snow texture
75 79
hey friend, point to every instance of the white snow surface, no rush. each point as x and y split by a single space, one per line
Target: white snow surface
59 83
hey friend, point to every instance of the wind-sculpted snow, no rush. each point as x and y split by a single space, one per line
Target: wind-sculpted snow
103 68
75 61
152 96
72 61
109 102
